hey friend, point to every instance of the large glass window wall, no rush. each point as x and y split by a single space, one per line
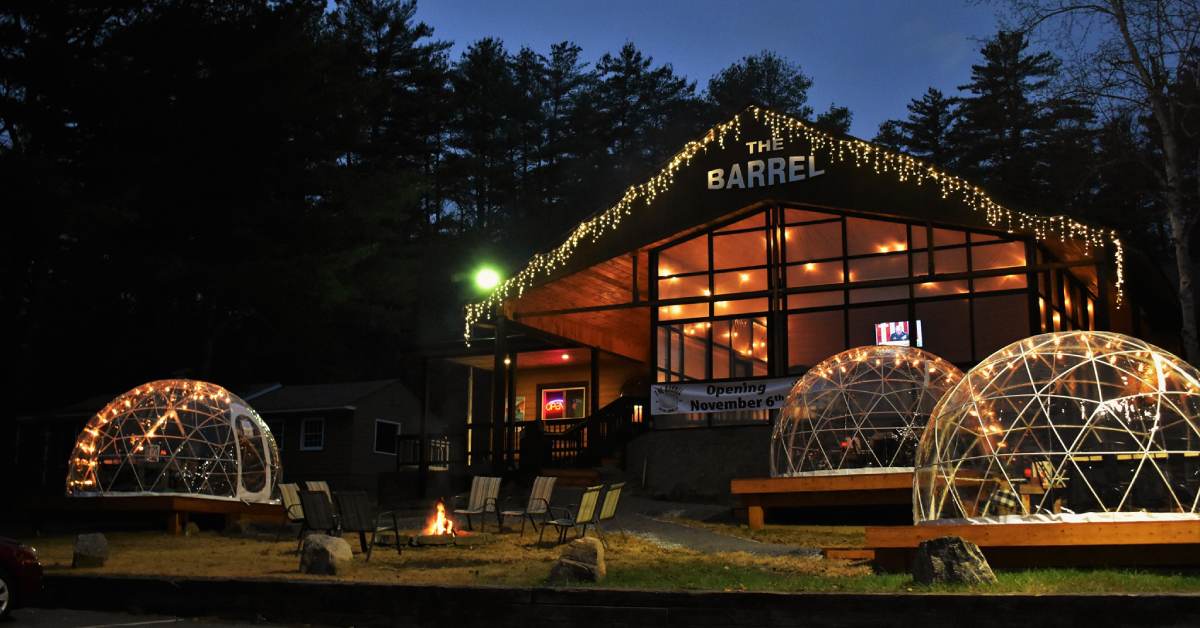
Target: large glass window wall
780 289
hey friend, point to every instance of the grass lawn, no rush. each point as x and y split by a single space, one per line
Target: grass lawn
633 562
805 536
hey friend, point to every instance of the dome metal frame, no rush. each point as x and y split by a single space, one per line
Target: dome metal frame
1065 426
859 411
176 437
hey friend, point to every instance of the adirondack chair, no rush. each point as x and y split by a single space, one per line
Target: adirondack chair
356 515
480 501
322 486
289 496
318 515
608 509
584 516
538 504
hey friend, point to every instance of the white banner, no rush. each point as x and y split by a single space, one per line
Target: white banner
747 394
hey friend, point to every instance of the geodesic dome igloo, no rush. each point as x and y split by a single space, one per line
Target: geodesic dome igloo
1068 426
863 408
180 437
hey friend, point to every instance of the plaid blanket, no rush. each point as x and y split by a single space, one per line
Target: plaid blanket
1003 501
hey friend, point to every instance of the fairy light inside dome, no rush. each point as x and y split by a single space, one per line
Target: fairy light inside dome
178 436
862 408
1065 426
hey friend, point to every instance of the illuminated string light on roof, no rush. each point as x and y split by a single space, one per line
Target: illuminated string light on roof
862 154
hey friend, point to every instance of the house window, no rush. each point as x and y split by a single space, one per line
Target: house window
385 436
566 402
312 434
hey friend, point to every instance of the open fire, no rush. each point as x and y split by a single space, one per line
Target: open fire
439 524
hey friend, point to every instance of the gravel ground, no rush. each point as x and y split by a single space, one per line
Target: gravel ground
642 516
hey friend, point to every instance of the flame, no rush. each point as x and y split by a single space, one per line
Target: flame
439 524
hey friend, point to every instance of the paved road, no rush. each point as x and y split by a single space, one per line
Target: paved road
59 618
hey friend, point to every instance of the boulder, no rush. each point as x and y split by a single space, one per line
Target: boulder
951 560
581 561
325 555
91 550
587 550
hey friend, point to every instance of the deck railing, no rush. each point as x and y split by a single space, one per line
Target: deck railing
436 448
583 442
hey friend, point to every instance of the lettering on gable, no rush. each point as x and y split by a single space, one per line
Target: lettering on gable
765 170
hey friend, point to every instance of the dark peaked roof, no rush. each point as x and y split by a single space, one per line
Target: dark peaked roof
270 397
854 174
317 396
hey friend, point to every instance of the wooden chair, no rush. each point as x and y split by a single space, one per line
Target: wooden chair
355 515
538 504
608 509
289 496
318 515
480 501
321 486
584 516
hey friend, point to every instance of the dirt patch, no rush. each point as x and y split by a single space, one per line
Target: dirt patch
511 560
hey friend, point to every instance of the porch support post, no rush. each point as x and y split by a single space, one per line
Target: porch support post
594 384
423 442
499 393
510 414
1103 294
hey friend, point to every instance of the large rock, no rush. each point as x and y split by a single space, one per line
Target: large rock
326 555
951 559
581 561
91 550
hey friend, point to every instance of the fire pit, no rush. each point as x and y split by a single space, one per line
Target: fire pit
441 531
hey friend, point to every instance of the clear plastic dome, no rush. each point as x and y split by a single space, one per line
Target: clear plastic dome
1069 426
861 409
179 437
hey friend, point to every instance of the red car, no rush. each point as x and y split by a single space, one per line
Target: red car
20 575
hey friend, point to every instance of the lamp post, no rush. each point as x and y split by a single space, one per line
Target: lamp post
486 280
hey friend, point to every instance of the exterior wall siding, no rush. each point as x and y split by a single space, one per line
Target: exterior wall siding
697 464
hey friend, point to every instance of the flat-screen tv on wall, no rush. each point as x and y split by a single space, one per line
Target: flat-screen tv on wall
898 333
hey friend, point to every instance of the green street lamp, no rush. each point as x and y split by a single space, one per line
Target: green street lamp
487 279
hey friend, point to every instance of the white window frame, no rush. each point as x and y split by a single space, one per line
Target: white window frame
398 432
304 423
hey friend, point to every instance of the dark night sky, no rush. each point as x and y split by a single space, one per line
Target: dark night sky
873 56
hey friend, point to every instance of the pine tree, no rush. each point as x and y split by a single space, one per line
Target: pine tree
765 79
1009 122
482 163
527 125
927 128
568 85
836 119
642 113
404 80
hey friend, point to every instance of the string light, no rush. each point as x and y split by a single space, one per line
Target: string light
862 154
873 400
175 436
1117 397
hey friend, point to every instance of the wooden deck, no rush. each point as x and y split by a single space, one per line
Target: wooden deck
175 509
1140 543
859 489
